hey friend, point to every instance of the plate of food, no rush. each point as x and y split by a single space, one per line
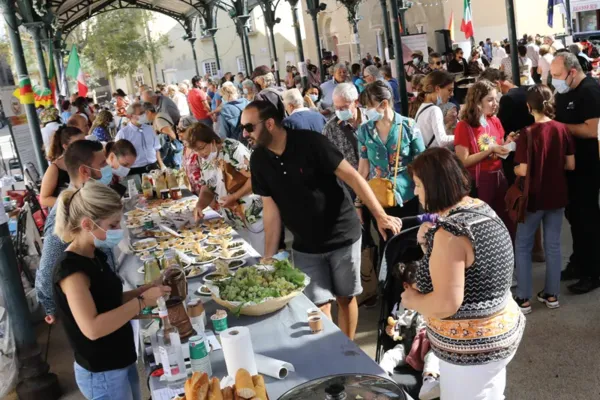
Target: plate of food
144 245
136 213
221 231
259 290
229 255
219 240
215 277
194 271
238 244
235 264
203 291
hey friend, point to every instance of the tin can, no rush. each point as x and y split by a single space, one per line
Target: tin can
148 223
176 193
199 357
219 321
164 194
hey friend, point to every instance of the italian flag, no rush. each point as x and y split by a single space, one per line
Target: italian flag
74 71
52 74
467 22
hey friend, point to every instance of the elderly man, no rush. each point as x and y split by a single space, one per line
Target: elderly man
301 117
340 75
264 79
163 104
577 105
143 138
171 148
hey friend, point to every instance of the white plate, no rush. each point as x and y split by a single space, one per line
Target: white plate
239 266
203 262
203 269
199 293
206 279
136 213
236 257
141 270
212 240
147 240
238 245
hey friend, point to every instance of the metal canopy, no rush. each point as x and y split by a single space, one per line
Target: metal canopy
70 13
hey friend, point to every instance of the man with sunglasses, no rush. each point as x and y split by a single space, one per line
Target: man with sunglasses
296 173
435 62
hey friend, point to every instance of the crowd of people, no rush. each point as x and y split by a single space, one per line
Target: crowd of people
332 162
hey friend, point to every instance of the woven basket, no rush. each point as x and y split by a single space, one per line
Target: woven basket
263 308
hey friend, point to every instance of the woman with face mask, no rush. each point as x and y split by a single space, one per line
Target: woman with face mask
249 89
225 165
56 177
89 294
479 140
312 97
120 155
379 139
102 126
436 90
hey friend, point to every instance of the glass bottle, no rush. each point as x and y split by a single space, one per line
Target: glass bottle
151 269
170 349
147 188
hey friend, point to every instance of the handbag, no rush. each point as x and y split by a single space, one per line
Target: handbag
383 188
517 195
232 178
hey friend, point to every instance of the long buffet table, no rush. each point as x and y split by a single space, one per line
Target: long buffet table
283 335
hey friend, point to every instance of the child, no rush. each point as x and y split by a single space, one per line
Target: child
408 326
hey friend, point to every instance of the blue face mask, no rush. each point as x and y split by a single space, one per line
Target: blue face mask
314 97
343 115
107 174
439 101
373 114
483 120
113 238
561 85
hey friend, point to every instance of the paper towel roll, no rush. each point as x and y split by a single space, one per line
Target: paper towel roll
237 350
274 368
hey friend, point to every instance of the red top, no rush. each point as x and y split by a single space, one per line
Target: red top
492 134
548 183
196 98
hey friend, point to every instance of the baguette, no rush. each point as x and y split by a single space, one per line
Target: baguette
204 385
214 393
227 393
192 385
259 387
243 384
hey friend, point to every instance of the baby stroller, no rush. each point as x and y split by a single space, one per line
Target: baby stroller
401 248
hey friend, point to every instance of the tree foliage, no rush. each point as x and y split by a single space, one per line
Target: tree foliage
117 42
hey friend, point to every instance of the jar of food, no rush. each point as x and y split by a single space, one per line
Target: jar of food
151 269
147 188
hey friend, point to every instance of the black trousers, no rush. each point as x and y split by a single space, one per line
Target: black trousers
583 213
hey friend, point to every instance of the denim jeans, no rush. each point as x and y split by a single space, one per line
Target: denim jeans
552 224
117 384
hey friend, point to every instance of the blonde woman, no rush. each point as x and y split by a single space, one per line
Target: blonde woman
102 125
231 110
180 100
89 295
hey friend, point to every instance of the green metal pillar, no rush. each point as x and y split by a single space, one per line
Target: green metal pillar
313 9
296 21
389 43
512 38
8 10
213 32
397 12
35 29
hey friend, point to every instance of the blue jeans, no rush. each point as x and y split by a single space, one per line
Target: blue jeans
552 224
117 384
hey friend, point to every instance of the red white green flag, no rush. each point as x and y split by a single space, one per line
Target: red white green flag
467 22
52 74
74 71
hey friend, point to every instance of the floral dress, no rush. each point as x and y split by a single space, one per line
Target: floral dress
247 214
191 164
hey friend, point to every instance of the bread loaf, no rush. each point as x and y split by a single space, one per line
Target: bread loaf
214 393
243 384
259 387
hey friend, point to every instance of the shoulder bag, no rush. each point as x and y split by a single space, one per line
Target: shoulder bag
417 120
517 195
383 188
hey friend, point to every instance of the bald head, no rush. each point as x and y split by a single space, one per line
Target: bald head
149 96
78 121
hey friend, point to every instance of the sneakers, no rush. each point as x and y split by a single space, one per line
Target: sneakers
545 298
430 389
524 305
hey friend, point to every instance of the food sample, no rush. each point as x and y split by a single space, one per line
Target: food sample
253 285
259 387
229 254
144 244
244 386
194 271
197 386
214 392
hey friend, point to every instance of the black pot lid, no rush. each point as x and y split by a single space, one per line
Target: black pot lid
346 387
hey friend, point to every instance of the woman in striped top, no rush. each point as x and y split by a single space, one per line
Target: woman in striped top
473 323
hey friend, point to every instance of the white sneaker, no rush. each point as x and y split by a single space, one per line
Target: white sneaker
430 389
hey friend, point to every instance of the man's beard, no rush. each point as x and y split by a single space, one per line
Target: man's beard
263 139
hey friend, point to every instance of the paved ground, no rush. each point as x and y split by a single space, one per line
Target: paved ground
558 359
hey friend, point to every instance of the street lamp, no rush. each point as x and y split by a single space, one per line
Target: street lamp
190 36
314 8
268 8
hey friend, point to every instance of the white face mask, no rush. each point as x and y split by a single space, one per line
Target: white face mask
211 156
121 172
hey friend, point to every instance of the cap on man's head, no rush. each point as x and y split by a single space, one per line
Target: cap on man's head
50 114
260 71
417 53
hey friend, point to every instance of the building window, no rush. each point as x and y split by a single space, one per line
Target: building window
210 67
241 65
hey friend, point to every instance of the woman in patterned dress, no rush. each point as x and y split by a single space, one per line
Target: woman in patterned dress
191 162
463 282
479 140
225 165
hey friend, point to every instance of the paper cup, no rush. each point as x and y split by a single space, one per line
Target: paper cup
316 324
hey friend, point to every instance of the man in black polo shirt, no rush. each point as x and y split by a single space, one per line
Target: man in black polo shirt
296 173
578 106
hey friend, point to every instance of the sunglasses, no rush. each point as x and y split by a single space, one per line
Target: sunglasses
250 127
438 63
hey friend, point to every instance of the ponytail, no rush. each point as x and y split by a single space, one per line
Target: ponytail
61 137
541 100
416 104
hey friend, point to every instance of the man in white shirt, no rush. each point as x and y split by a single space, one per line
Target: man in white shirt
340 75
143 138
50 121
533 53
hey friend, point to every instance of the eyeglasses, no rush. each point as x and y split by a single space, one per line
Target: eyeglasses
250 127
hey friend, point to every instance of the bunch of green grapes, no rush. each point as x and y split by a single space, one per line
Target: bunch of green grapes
252 285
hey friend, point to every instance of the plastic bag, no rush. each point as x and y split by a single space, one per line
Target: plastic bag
8 355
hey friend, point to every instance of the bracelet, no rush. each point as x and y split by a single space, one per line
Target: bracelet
358 205
141 302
